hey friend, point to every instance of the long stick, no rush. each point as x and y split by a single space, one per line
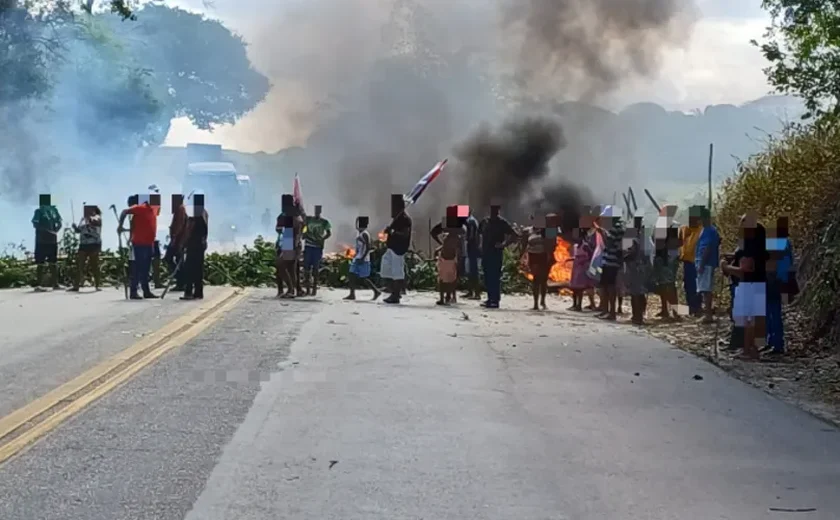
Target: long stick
627 205
652 200
120 242
171 276
633 198
711 162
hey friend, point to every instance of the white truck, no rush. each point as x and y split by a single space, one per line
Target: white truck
229 195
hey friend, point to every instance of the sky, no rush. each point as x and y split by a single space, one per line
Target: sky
717 66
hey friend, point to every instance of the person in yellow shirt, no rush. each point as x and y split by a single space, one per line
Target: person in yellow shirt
689 235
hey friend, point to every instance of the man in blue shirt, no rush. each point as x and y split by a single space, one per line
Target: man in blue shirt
706 258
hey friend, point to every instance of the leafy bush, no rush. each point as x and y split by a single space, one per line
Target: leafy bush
252 266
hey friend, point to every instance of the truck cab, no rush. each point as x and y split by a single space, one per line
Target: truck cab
229 194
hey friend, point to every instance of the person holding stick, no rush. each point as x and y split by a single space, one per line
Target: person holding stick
195 245
90 247
289 227
142 238
392 266
177 235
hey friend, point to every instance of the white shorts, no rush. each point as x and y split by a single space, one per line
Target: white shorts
750 300
392 266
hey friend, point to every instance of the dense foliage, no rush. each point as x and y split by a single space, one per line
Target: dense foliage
251 266
802 45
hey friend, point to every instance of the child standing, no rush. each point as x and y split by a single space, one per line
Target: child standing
447 264
360 265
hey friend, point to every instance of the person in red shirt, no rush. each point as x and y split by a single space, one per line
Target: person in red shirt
143 234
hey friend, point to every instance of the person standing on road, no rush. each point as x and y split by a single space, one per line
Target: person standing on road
540 250
471 260
317 230
177 235
47 224
195 243
707 258
289 228
90 247
637 262
496 235
689 235
779 284
392 266
612 260
142 239
360 264
750 305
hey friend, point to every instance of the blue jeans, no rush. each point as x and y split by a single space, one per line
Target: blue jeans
472 265
312 257
775 324
142 265
491 262
690 286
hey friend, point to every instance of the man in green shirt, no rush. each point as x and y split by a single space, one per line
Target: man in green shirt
316 232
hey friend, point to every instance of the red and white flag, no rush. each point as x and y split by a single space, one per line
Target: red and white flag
418 189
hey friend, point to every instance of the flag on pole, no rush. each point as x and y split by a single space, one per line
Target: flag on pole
418 189
296 192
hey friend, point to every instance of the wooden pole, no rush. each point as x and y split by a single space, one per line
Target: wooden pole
430 237
711 163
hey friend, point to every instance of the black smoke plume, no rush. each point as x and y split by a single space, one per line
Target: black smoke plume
510 166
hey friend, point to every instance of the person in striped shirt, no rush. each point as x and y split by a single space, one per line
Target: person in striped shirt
612 259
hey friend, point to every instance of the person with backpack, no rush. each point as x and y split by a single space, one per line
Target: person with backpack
47 223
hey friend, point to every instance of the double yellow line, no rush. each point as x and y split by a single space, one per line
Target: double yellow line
24 426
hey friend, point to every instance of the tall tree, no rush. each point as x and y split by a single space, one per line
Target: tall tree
803 47
199 68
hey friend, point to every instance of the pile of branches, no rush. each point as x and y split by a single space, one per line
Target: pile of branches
251 266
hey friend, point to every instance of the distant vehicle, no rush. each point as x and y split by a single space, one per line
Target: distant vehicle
227 192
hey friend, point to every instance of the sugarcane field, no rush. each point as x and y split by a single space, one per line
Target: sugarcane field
406 259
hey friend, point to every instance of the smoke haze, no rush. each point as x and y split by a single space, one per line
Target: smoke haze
377 91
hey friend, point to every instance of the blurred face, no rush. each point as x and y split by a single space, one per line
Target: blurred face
494 211
317 211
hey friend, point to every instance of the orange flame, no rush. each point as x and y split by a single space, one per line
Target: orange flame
561 271
346 251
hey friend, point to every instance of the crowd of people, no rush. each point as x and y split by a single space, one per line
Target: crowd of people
608 258
184 253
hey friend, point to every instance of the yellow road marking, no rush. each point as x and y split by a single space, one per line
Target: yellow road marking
83 390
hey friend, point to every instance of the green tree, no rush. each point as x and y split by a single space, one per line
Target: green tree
802 45
198 67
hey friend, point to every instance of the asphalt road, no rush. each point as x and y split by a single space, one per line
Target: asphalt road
335 410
